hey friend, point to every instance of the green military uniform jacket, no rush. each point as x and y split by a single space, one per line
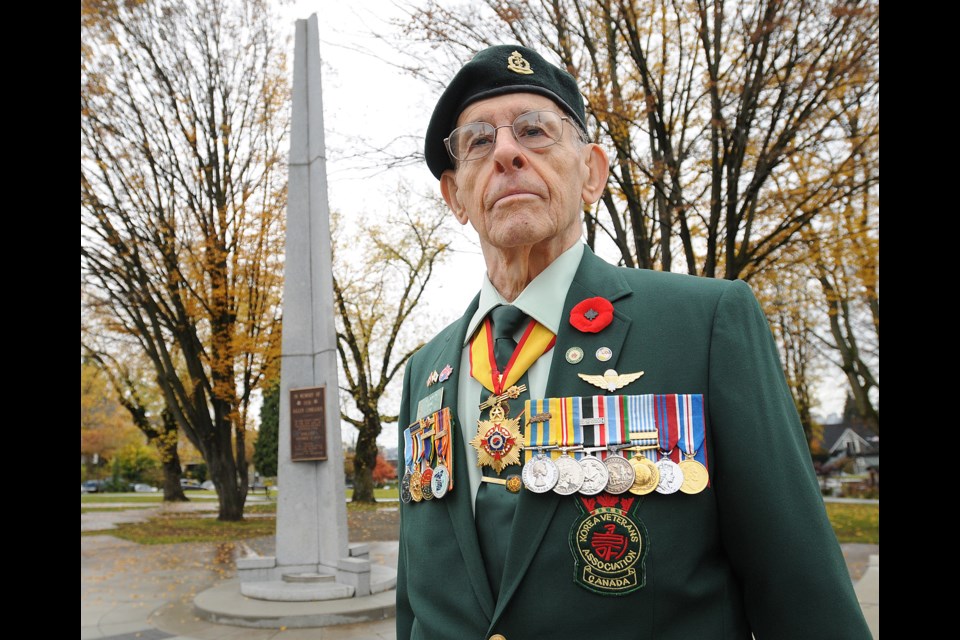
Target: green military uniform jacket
752 553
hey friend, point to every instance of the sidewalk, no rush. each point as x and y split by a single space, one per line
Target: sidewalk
145 592
137 592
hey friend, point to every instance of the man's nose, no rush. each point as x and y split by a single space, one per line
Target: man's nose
507 151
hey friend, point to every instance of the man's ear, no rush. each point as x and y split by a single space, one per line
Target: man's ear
597 169
450 191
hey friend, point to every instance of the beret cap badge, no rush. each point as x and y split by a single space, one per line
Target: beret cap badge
517 64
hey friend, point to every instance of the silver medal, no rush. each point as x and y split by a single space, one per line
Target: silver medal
440 481
540 474
405 487
594 476
671 476
569 476
620 472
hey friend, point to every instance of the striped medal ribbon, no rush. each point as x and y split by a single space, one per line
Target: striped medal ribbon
692 435
668 416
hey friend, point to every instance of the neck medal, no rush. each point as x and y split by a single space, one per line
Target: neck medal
499 439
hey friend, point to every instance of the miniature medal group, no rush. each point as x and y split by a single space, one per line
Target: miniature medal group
428 458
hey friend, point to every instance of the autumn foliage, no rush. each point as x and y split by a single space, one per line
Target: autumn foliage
183 111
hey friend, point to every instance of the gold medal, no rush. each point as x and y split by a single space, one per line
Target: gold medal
694 476
416 488
648 476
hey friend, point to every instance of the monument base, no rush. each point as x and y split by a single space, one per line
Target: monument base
266 595
262 578
225 604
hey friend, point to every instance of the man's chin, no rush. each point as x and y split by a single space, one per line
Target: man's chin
519 235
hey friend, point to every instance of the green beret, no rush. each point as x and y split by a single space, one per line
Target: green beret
505 68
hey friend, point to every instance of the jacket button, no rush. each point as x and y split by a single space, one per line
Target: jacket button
498 636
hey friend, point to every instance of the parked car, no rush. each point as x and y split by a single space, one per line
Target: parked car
93 486
208 485
144 488
190 485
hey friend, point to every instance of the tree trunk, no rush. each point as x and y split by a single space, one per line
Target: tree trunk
231 486
166 443
230 495
172 491
365 460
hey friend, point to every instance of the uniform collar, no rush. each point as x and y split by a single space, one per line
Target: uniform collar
542 299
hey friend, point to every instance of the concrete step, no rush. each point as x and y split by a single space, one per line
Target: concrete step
308 578
280 591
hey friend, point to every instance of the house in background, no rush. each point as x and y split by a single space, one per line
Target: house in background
854 441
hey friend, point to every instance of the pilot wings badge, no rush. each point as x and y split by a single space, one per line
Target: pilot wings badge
611 380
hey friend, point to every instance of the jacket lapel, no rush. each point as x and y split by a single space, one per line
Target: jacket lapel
594 278
458 501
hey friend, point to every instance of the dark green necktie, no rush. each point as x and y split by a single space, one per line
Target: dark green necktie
495 505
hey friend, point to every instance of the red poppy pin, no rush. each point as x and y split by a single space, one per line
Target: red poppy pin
592 315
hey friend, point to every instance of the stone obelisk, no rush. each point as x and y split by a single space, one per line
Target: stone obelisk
311 514
313 561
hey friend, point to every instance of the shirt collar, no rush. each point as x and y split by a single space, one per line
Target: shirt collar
542 299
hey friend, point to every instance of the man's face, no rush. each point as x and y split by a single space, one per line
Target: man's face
518 196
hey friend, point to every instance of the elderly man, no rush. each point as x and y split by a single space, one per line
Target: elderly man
595 451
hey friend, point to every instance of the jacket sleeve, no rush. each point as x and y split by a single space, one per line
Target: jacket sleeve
773 523
404 612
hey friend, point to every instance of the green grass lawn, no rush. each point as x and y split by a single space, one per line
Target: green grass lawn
169 529
855 522
97 509
380 494
157 498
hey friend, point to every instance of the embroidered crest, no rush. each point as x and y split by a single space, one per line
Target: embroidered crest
517 64
609 544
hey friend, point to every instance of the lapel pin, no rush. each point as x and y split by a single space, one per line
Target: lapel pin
432 378
445 373
604 354
611 380
574 355
592 315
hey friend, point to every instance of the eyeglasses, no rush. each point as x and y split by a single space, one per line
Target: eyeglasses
534 130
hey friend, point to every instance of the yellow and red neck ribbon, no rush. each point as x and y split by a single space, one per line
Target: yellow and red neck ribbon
535 342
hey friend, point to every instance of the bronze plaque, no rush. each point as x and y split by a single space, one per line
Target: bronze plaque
308 424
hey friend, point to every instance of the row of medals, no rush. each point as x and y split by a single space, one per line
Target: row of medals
589 476
426 485
615 474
